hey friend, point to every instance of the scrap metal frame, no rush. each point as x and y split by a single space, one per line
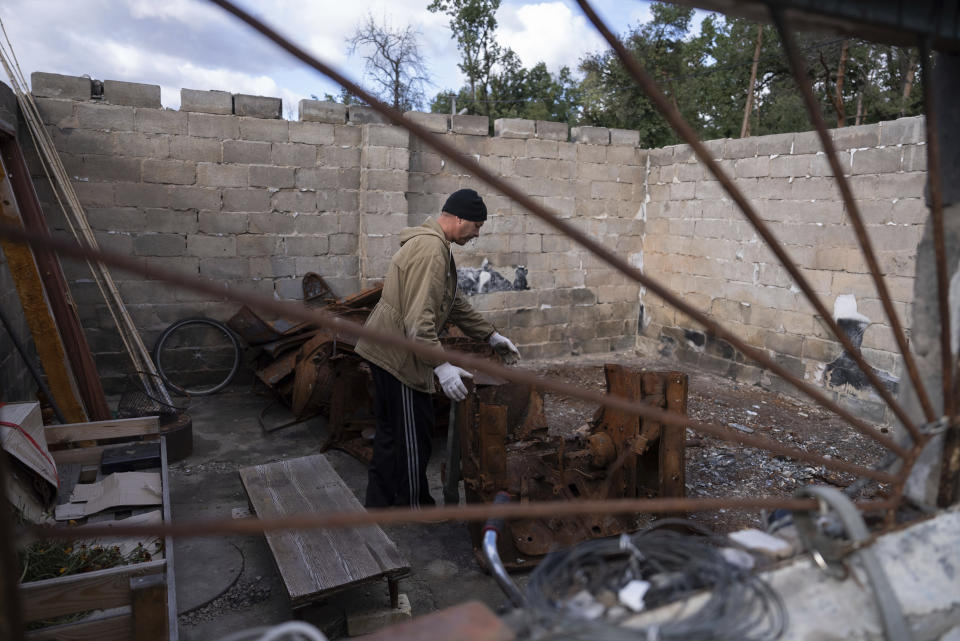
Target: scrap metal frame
671 421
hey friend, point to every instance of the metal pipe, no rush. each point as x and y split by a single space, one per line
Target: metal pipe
685 131
470 512
491 531
475 169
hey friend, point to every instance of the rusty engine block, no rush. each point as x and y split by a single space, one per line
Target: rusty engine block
506 445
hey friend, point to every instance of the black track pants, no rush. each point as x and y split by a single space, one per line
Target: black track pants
401 447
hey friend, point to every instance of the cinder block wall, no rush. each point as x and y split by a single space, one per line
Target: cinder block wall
704 248
225 189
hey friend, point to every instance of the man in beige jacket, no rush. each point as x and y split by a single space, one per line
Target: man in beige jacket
419 297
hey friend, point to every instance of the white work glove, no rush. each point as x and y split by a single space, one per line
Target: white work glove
449 377
505 348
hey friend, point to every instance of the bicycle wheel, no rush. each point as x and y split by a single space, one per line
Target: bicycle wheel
197 356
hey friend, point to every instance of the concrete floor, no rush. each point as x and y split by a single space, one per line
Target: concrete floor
237 573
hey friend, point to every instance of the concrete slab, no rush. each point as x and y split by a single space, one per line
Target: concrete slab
198 581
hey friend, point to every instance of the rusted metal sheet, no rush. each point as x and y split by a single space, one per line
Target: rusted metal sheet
251 328
505 445
316 292
312 375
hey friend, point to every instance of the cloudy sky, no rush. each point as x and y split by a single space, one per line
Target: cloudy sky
193 44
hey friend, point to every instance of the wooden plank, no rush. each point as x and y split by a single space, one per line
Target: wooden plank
82 455
114 627
80 592
33 299
149 606
55 283
118 428
172 627
318 562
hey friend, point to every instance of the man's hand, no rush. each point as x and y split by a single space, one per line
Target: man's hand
505 348
449 377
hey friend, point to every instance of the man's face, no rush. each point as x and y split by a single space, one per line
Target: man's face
466 231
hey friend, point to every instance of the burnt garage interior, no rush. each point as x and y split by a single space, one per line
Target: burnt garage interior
693 446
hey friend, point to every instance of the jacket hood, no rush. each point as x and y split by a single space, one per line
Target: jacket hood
429 228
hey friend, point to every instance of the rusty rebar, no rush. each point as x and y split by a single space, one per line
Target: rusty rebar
475 169
471 512
853 211
339 325
686 132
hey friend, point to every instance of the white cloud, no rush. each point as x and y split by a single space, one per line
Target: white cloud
547 32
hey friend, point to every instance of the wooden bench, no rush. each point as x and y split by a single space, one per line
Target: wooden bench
317 563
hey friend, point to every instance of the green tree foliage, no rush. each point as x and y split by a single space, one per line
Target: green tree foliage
706 76
474 23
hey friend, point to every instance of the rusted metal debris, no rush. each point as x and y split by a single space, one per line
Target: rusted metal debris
506 445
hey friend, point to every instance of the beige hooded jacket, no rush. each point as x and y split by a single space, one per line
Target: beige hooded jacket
419 297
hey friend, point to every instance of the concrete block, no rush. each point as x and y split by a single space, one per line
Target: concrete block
257 106
141 195
217 175
103 168
298 201
317 178
263 129
160 245
172 172
246 200
210 102
246 151
386 136
169 221
514 128
591 153
856 137
140 145
542 148
360 115
752 167
54 85
55 112
293 154
134 94
876 161
189 197
225 268
124 219
259 245
903 131
313 133
106 117
205 125
590 135
192 148
470 124
160 121
347 135
624 137
203 246
775 144
386 180
439 123
271 223
322 111
270 176
547 130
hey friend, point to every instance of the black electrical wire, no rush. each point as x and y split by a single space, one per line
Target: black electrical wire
738 605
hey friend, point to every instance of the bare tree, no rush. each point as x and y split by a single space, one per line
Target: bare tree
393 62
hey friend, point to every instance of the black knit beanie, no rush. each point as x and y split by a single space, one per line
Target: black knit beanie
466 204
